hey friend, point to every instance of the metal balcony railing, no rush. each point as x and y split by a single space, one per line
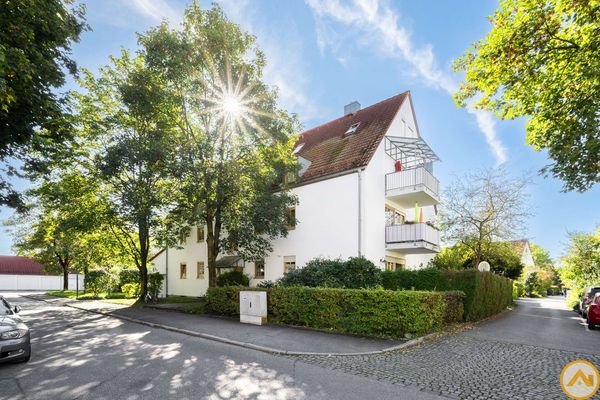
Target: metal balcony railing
411 179
407 233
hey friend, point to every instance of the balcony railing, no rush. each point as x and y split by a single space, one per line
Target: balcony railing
408 233
412 179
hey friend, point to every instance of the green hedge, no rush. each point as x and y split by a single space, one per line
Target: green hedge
486 293
380 313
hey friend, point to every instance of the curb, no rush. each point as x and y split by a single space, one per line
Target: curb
269 350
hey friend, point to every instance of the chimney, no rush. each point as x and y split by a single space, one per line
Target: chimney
351 108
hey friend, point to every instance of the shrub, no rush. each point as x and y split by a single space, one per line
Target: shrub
354 273
518 290
96 282
266 284
155 281
233 278
376 312
486 294
129 276
131 290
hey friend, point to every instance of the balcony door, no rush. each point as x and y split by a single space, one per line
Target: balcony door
393 216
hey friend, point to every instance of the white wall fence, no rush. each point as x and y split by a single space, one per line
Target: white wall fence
38 282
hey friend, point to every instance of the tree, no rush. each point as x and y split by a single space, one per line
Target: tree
233 143
62 228
580 267
124 120
35 53
541 60
531 283
482 208
541 256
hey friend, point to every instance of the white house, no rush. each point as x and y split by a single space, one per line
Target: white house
366 188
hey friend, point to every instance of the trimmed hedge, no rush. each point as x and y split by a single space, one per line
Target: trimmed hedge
486 294
380 313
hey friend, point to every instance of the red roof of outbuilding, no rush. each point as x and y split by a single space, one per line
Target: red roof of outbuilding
17 265
331 151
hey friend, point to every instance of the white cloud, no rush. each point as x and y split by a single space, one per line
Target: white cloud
374 22
156 10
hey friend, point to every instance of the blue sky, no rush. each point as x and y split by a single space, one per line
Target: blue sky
323 54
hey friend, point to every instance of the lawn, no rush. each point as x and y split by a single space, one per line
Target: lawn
194 308
115 297
179 299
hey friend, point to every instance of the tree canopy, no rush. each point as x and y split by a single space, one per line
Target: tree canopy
541 60
482 208
35 54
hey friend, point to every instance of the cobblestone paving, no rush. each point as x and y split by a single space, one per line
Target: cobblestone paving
465 367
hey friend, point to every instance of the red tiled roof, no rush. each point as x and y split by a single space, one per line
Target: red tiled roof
17 265
330 151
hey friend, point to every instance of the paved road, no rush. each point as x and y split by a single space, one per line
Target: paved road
516 356
79 355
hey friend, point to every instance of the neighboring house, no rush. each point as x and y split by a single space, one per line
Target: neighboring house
522 247
365 188
23 273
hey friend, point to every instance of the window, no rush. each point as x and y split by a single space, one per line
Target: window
200 232
393 264
182 271
290 217
182 238
289 263
200 270
353 128
259 269
393 216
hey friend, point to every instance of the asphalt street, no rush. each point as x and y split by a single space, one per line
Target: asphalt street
80 355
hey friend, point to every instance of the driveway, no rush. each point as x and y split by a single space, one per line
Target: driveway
80 355
518 355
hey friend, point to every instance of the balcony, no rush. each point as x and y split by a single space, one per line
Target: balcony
415 185
412 238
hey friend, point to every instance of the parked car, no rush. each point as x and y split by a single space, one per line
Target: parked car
593 312
587 298
15 344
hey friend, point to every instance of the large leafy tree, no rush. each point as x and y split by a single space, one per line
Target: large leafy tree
35 54
482 208
581 265
541 60
125 125
64 227
233 143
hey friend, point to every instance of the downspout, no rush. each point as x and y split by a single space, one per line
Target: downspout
360 212
167 272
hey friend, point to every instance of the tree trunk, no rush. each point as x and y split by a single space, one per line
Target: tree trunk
144 238
65 269
212 260
143 268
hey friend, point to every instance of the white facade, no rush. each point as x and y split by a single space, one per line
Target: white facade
338 216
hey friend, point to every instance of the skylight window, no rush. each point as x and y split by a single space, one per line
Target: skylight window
353 128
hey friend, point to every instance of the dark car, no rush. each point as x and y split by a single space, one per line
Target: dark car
587 298
15 345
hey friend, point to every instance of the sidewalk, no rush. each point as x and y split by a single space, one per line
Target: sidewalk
268 338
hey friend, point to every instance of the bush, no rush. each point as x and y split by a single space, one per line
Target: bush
131 290
155 281
486 294
129 276
354 273
266 284
379 313
518 290
96 282
233 278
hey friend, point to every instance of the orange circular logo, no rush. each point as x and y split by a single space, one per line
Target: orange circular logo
579 379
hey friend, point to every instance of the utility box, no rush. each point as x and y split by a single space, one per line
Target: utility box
253 307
